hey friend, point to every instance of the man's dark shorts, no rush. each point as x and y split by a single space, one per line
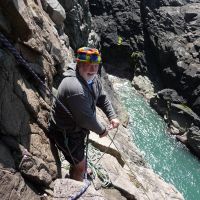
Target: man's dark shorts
72 145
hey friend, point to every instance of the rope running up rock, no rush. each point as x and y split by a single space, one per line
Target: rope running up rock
22 61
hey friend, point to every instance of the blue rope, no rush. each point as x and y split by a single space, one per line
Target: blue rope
22 61
83 189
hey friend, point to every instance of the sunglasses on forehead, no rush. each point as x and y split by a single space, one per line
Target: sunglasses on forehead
91 58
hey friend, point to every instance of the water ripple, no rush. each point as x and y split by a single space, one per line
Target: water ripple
169 158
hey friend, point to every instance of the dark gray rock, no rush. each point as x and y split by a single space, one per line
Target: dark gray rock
55 11
77 22
171 96
119 25
164 99
173 108
172 29
193 137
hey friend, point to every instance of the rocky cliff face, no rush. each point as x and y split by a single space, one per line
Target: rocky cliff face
158 39
172 32
44 33
119 24
24 147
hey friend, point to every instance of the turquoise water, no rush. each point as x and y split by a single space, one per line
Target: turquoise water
169 158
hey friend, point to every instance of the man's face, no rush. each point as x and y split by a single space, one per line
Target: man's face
88 70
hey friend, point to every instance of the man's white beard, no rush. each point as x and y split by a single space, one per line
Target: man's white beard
91 79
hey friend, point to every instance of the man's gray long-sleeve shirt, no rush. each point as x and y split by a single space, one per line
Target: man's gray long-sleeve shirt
81 100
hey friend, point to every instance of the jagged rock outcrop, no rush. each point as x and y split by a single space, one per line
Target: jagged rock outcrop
119 25
181 120
173 31
124 165
77 22
55 11
24 113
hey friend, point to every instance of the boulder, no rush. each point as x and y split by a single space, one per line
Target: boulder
67 188
193 138
55 11
144 85
25 106
116 22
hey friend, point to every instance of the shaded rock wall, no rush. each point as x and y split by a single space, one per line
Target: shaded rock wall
119 25
77 24
173 31
165 31
25 154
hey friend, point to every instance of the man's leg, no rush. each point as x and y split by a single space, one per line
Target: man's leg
77 171
73 151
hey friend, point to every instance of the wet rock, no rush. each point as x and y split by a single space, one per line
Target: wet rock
182 138
193 137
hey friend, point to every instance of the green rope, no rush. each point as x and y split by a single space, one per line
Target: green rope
97 169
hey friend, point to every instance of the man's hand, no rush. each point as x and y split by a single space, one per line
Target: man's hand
114 123
104 134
